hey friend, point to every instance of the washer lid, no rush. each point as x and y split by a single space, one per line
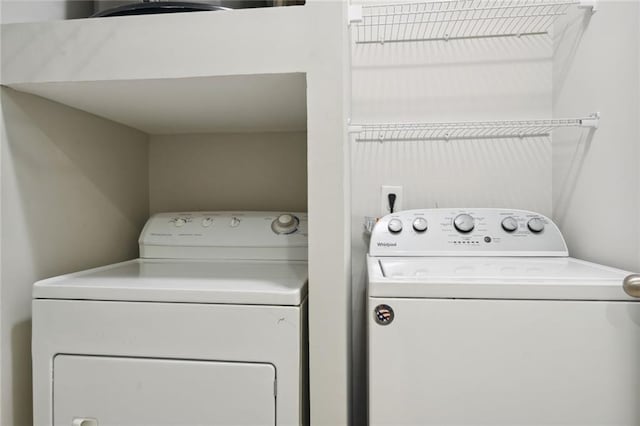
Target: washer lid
494 278
229 282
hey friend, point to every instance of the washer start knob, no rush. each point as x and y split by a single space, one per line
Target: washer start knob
463 223
285 224
394 226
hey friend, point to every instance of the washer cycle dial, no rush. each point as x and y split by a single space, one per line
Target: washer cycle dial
463 223
420 224
536 225
285 224
509 224
395 226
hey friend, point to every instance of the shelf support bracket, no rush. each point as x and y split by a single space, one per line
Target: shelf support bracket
592 121
589 4
355 13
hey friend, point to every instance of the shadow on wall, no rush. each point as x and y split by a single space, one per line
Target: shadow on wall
21 361
478 79
566 42
562 202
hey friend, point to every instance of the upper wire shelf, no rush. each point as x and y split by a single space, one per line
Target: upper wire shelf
457 19
381 132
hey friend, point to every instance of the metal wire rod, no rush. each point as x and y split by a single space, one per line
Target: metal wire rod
381 132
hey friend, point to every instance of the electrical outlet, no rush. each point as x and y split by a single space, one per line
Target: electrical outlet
385 190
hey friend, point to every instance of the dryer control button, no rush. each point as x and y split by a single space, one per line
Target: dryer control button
285 224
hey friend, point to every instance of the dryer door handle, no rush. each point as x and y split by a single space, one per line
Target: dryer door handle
84 421
631 285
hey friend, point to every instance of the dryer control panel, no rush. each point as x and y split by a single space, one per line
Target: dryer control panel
225 235
466 232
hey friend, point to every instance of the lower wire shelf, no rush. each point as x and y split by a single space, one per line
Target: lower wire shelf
381 132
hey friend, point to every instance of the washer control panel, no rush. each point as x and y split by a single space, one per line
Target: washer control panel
234 235
466 232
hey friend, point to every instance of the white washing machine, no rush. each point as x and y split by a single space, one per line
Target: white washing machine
479 317
207 327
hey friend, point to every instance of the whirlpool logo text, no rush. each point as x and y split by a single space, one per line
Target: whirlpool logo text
381 244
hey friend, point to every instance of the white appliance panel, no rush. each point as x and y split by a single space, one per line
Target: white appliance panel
275 335
505 363
225 235
466 232
116 391
163 280
540 278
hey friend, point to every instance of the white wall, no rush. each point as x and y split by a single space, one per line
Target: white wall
36 10
74 195
458 80
241 171
596 178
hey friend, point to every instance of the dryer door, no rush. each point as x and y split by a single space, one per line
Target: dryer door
117 391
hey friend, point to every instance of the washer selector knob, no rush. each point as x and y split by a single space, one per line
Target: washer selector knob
420 224
285 224
395 226
536 225
463 223
509 224
179 222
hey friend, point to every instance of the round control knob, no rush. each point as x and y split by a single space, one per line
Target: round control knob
179 222
285 224
463 223
395 226
509 224
536 225
207 222
420 224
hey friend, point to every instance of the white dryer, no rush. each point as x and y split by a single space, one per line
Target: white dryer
207 327
479 317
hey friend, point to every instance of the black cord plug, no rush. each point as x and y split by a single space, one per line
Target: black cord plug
392 201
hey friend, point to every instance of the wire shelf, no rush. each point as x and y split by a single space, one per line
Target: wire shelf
458 19
381 132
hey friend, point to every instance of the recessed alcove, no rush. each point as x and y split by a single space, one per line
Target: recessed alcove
109 120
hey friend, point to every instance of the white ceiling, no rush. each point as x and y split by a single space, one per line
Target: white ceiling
238 103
